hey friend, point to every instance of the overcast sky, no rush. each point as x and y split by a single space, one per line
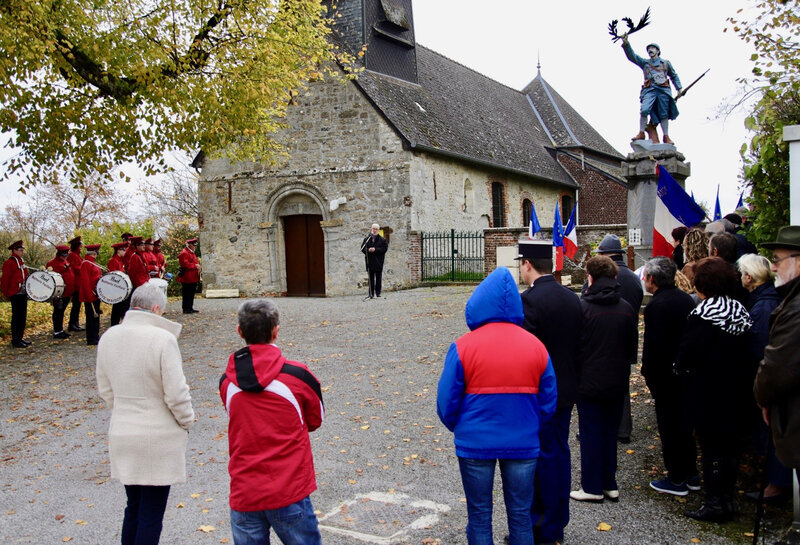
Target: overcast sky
502 39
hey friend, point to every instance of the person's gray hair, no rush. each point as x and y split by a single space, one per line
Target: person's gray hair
147 296
757 266
257 318
376 226
661 271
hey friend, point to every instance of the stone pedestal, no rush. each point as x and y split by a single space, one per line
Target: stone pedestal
639 169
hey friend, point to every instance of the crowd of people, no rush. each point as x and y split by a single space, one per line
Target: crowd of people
74 281
719 357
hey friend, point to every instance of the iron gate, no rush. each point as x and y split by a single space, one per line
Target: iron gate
452 256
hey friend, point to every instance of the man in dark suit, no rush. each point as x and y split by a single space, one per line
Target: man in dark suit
553 313
631 291
664 320
374 249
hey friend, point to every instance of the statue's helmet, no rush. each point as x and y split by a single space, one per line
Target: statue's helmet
654 45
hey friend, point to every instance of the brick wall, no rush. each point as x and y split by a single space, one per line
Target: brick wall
601 201
498 237
414 257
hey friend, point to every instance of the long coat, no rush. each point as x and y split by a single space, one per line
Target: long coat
187 260
140 377
374 260
777 385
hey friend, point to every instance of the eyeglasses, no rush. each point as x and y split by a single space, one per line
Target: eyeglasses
775 260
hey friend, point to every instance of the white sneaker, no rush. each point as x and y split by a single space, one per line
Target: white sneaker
612 495
580 495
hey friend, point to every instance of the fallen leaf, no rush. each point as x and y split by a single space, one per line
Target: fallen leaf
603 527
365 427
695 540
81 522
180 506
195 495
59 517
65 539
223 540
630 451
207 528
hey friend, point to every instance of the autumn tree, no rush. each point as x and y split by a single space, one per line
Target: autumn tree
86 85
774 32
172 199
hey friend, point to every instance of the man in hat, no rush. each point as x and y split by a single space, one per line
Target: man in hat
161 261
189 274
553 314
60 264
90 274
150 258
12 282
656 97
117 263
137 269
777 384
630 290
75 261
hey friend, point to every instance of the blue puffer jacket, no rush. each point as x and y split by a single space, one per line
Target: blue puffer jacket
498 382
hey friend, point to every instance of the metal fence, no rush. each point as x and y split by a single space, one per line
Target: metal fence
452 256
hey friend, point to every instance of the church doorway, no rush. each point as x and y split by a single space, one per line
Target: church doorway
305 255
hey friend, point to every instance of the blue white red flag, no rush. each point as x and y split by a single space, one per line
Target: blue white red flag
558 240
533 226
674 207
571 236
717 209
741 201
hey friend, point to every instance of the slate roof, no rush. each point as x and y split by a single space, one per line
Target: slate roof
458 112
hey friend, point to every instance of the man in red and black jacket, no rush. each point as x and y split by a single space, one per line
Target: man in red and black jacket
60 264
75 261
137 268
12 282
272 405
117 263
90 274
189 274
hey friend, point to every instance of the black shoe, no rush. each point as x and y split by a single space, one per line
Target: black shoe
18 344
195 310
26 343
61 335
187 311
75 327
91 343
624 440
711 512
378 295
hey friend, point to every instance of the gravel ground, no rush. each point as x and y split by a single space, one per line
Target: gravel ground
386 467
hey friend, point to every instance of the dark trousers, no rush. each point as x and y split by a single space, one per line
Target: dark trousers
553 479
187 293
375 283
598 422
144 514
75 311
118 310
59 308
92 321
19 316
720 466
626 422
677 442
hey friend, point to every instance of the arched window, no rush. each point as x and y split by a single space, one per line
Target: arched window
498 210
526 212
469 199
566 208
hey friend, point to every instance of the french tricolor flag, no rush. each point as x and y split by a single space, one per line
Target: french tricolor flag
571 236
674 207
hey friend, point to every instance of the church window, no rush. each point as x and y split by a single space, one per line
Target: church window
566 208
498 210
526 212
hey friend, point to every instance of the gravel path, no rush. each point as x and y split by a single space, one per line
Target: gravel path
385 465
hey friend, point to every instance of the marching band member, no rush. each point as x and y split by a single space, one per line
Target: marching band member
150 258
117 263
161 261
60 264
189 274
137 269
90 274
12 282
75 261
129 249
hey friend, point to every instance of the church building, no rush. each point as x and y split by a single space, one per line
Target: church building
417 143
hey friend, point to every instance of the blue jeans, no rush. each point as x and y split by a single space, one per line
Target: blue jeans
144 514
295 524
477 476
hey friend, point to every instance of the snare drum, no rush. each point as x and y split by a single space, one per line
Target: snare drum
43 286
114 287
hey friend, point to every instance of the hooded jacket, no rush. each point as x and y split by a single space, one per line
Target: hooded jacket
498 383
272 405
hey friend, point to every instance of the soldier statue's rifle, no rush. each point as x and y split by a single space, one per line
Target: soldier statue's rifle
686 89
643 22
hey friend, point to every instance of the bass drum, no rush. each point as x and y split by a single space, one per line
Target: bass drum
114 287
43 286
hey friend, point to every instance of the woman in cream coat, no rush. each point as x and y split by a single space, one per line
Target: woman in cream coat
140 377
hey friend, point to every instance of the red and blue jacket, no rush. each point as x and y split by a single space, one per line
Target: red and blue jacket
498 383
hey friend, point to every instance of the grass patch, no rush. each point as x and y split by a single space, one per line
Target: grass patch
39 318
465 276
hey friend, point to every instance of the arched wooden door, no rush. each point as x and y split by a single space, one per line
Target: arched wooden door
305 255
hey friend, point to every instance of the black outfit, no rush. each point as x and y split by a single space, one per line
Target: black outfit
75 311
630 289
609 343
187 297
713 364
664 321
19 316
59 308
744 246
677 256
374 261
553 313
118 310
92 309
